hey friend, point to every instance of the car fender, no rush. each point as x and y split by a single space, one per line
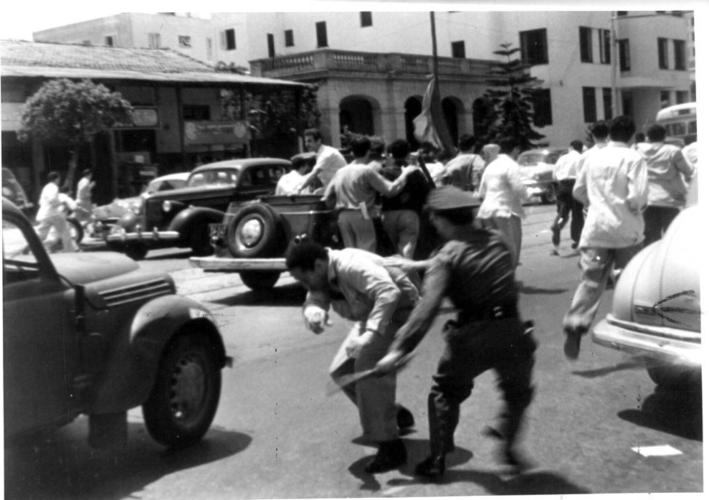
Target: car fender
184 220
131 371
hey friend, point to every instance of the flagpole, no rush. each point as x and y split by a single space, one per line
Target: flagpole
435 46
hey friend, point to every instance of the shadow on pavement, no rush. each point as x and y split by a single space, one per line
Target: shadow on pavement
62 465
288 295
630 364
533 290
675 411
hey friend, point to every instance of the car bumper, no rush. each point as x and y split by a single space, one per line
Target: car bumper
145 237
227 264
660 343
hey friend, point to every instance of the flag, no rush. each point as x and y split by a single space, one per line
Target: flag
430 126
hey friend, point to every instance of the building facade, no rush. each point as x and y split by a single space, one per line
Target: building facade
372 67
180 115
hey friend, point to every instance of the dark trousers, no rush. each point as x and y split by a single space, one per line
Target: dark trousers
470 350
566 204
657 220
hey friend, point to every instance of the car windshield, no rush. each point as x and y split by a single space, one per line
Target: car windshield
532 158
226 178
164 185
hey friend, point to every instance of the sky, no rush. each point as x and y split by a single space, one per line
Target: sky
19 19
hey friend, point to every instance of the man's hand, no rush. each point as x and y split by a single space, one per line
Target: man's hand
389 362
316 318
356 344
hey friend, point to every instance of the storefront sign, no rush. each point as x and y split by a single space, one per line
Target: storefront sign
209 132
145 117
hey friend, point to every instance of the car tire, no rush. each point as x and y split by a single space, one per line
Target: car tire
186 392
673 376
549 195
259 281
136 251
199 240
262 223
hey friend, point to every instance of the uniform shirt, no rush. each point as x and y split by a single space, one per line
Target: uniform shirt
667 170
566 166
613 184
460 170
358 183
50 202
474 271
502 189
364 289
328 161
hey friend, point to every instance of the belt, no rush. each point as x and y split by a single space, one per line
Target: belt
489 313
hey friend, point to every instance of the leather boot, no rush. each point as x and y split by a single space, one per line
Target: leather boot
432 467
390 455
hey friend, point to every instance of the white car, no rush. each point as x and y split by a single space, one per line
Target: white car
657 305
537 171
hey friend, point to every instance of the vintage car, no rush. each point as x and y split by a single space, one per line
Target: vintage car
656 310
537 169
180 217
89 333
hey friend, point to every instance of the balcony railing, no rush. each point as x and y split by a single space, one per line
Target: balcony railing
342 61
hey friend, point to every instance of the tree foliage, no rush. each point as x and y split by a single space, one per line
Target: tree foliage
66 112
510 100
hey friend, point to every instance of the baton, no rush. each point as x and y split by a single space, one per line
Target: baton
336 385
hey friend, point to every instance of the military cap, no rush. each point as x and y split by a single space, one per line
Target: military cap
450 198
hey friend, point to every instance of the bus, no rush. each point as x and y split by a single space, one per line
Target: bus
679 120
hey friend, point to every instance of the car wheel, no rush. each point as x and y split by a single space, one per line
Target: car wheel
136 251
199 240
673 376
76 231
260 280
186 392
254 232
549 195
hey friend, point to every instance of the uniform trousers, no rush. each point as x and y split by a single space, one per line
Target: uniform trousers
470 350
356 231
375 397
657 220
402 226
596 265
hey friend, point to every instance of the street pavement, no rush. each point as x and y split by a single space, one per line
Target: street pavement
597 425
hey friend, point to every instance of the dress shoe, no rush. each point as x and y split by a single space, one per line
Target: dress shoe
404 418
514 461
433 467
390 455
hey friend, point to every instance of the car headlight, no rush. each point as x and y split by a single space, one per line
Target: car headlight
136 208
166 206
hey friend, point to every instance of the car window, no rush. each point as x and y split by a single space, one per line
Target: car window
261 176
19 263
219 178
530 159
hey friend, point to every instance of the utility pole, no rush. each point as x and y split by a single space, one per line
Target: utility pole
615 97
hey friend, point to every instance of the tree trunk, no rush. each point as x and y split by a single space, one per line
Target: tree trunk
71 171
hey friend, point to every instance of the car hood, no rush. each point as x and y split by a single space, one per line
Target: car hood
528 171
82 268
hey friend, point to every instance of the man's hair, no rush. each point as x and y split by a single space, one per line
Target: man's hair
507 144
360 146
457 216
466 142
656 133
53 175
377 146
621 128
314 133
599 130
639 137
86 171
303 254
577 145
399 149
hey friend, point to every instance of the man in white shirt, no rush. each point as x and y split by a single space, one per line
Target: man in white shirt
460 171
503 194
328 159
613 184
83 195
565 171
289 184
668 175
51 213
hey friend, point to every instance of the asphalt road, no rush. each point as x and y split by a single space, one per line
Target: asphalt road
278 435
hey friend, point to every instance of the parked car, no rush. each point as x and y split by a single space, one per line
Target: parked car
180 217
657 304
89 333
537 166
13 191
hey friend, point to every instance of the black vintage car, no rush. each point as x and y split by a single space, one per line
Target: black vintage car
181 217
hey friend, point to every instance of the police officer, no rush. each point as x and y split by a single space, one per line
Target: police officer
474 270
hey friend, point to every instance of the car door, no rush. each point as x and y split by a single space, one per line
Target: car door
37 326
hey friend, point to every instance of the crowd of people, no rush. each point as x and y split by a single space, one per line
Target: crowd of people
618 195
